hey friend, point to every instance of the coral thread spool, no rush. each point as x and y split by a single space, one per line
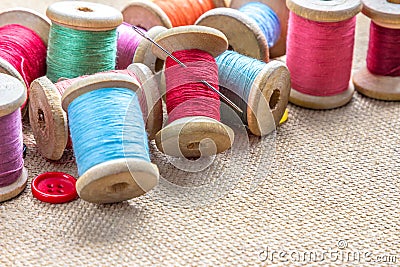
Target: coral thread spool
133 48
38 24
147 14
320 45
13 175
244 34
108 176
49 121
267 88
82 40
380 79
187 136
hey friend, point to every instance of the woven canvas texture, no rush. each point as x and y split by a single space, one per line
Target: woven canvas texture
329 182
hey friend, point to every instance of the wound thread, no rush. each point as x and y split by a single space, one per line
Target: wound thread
383 57
128 42
11 148
25 51
107 124
237 74
186 96
319 55
266 19
72 53
184 12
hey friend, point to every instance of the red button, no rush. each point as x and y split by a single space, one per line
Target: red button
54 187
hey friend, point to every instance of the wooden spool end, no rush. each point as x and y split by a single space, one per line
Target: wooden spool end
86 16
143 53
47 119
193 136
268 98
243 34
325 11
147 14
385 14
115 180
27 18
12 96
150 91
280 9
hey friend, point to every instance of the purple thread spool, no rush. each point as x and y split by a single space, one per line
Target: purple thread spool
13 175
132 48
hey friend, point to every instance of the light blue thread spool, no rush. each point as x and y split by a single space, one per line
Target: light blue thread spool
265 18
109 138
261 90
256 29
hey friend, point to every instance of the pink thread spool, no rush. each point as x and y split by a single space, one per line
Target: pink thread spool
31 20
13 175
320 51
49 121
380 79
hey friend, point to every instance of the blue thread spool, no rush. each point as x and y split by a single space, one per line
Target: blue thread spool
109 139
252 27
260 89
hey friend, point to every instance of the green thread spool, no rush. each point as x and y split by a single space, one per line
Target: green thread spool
82 39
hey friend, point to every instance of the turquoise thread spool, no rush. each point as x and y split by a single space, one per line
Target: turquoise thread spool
82 39
109 138
260 89
251 27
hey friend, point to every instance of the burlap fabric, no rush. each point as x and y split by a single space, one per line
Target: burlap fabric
333 188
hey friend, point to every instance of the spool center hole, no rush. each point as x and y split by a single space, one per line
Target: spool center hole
159 64
193 146
85 9
274 99
119 187
41 119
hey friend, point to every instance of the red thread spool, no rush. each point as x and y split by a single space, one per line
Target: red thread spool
49 121
24 34
193 126
320 51
380 79
186 96
148 14
243 34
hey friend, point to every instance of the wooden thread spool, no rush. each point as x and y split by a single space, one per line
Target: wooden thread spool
119 179
187 136
29 19
243 34
49 121
268 96
330 11
147 14
386 14
12 96
82 17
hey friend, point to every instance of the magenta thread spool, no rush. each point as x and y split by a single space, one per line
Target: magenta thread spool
13 175
380 78
319 52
